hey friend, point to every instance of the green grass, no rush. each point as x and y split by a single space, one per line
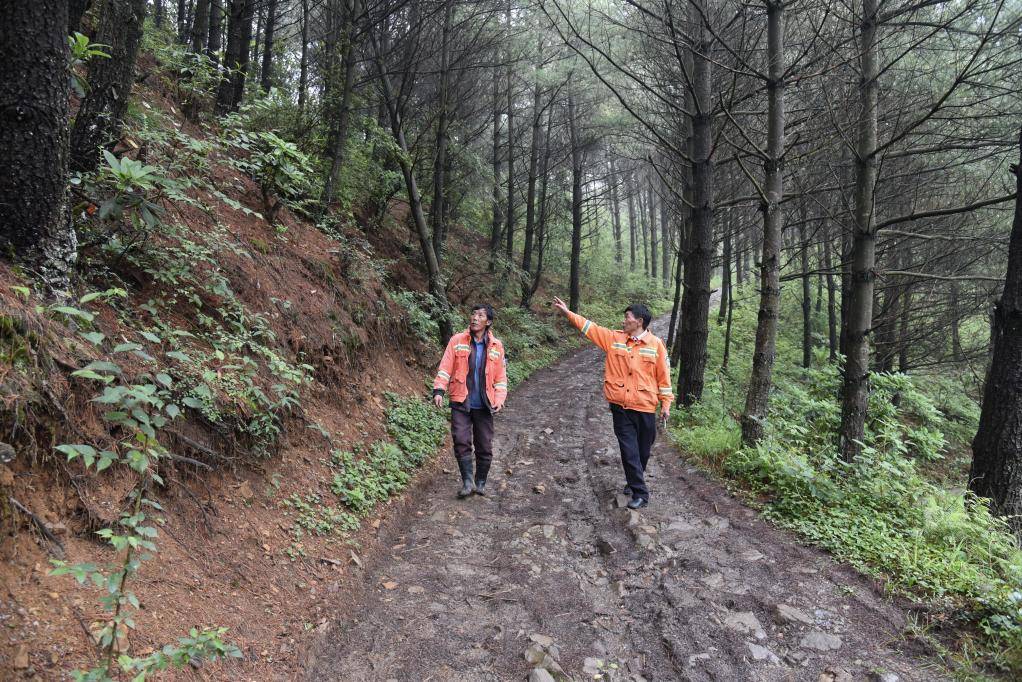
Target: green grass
883 513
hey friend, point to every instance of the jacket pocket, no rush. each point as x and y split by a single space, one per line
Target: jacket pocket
614 392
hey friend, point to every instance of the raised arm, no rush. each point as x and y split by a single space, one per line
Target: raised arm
601 336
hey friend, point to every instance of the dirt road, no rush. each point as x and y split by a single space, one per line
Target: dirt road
549 575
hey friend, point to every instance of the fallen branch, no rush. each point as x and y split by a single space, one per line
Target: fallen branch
39 523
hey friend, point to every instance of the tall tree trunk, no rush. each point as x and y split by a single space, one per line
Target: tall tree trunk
530 192
832 321
541 221
497 224
757 400
509 214
727 328
695 300
34 225
200 26
182 21
807 303
665 240
239 35
303 61
160 13
855 393
244 60
644 226
98 122
436 215
433 276
653 257
676 306
266 73
576 204
725 269
216 27
630 189
996 471
615 207
338 104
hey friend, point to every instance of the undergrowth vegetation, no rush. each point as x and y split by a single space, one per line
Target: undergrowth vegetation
883 513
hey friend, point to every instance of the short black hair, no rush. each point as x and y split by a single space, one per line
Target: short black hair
639 310
487 307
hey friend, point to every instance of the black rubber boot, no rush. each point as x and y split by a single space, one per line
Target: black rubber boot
467 488
482 469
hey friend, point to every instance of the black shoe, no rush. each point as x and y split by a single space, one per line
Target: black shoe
467 487
638 503
481 486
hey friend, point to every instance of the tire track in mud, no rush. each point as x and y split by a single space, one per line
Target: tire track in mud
694 587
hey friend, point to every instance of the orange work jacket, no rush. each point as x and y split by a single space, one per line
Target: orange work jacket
453 373
636 374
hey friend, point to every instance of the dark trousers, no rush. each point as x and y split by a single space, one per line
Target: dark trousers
473 428
635 433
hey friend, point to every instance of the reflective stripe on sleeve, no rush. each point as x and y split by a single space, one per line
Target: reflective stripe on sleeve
586 326
443 375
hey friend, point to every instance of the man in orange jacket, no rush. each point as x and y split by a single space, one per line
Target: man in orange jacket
472 371
636 377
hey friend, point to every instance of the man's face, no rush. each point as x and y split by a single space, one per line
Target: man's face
478 321
632 324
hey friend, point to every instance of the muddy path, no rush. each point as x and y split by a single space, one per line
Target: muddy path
549 574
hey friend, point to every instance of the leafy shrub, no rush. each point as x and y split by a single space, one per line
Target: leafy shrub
417 427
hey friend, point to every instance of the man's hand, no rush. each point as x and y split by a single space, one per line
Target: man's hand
498 409
560 305
438 400
665 414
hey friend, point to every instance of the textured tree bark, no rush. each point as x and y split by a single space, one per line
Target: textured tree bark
695 300
160 13
996 471
757 400
34 228
244 54
855 391
576 205
99 118
216 27
643 226
338 104
200 26
266 72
